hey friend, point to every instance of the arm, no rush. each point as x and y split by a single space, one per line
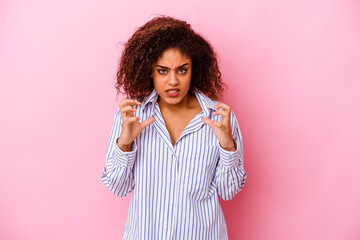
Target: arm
117 174
230 175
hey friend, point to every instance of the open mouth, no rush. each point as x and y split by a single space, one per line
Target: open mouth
173 92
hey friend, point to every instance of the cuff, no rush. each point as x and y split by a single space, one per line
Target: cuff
229 159
125 159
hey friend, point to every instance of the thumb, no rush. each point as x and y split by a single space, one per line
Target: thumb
147 122
213 124
207 121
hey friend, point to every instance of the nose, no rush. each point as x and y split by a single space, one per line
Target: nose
173 80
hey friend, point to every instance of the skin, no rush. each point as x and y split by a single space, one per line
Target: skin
173 70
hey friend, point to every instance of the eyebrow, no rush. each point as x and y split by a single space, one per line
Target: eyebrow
169 68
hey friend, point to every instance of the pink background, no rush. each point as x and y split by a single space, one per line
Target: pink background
293 70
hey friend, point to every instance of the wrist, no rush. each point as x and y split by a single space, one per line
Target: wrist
231 147
123 147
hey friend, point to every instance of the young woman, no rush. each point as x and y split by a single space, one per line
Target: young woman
174 147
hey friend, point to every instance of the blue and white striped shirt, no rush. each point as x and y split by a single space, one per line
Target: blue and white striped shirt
175 188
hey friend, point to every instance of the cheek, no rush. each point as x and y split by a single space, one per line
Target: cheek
155 78
157 82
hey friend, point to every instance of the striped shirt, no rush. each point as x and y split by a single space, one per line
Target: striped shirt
175 187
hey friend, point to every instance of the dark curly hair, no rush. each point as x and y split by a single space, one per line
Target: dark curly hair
148 43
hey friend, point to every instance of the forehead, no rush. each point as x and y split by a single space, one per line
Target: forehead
173 56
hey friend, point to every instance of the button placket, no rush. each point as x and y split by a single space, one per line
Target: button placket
172 187
175 182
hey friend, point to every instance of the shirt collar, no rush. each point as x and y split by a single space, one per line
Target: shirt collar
205 102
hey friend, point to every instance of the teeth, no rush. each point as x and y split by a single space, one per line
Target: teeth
172 91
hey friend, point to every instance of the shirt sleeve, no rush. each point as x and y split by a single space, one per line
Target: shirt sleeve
117 174
230 175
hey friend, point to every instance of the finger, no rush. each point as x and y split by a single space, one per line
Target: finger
131 120
123 102
130 102
147 122
133 103
127 111
207 121
211 123
217 124
223 106
222 113
136 102
225 117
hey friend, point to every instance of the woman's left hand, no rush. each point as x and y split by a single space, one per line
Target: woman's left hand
222 129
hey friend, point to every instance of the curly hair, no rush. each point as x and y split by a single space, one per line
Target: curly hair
148 43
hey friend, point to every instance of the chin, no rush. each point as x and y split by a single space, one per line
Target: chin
172 100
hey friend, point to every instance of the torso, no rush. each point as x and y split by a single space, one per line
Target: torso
176 121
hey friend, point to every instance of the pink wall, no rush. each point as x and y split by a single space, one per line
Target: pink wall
293 68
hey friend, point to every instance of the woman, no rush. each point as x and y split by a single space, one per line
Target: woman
174 147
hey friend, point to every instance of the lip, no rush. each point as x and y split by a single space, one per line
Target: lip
173 89
173 92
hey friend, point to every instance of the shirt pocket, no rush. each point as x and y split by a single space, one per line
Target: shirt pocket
203 162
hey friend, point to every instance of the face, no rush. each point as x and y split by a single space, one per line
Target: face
172 77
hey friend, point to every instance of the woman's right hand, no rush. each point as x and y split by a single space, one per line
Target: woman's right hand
131 128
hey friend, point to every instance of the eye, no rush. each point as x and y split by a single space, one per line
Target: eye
162 71
182 71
